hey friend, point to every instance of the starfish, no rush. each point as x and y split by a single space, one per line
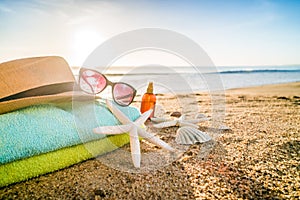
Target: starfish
134 129
180 122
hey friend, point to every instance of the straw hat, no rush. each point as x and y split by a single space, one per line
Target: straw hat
39 80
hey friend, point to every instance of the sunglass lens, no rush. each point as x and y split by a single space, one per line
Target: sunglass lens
123 94
92 82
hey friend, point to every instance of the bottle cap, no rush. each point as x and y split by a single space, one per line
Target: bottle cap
150 88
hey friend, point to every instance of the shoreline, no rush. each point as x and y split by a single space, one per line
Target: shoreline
260 89
258 158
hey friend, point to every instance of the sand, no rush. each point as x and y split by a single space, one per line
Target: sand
257 158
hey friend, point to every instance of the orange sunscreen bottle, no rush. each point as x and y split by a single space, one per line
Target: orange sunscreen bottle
148 100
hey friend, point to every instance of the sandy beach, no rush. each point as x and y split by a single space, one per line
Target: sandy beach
257 158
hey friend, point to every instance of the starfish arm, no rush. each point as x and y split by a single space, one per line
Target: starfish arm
185 123
119 129
119 115
155 140
143 118
193 121
135 147
165 124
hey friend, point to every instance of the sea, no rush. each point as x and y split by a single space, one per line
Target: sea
186 79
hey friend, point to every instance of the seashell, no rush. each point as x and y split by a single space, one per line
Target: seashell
202 117
166 124
181 121
175 114
224 128
158 119
190 135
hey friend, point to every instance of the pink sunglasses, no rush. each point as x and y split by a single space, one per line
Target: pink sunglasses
93 82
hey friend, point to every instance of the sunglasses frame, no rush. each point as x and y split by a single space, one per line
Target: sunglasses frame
108 82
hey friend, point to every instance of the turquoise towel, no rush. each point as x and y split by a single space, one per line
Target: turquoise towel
43 128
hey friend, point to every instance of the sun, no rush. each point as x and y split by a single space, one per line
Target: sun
84 41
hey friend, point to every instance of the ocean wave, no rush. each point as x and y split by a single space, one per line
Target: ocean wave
242 71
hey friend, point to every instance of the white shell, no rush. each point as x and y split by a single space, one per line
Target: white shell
158 119
224 128
190 135
166 124
201 117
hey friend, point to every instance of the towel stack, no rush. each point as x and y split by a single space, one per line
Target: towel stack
43 138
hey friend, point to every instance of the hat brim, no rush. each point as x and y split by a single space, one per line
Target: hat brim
15 104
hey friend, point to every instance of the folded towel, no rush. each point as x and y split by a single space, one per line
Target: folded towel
24 169
43 128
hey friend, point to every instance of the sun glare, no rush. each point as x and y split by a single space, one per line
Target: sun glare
83 43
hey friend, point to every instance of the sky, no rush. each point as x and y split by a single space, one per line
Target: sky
232 32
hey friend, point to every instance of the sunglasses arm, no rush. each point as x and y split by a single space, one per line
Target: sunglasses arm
86 81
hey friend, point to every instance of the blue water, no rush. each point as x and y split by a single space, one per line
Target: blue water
239 77
193 79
